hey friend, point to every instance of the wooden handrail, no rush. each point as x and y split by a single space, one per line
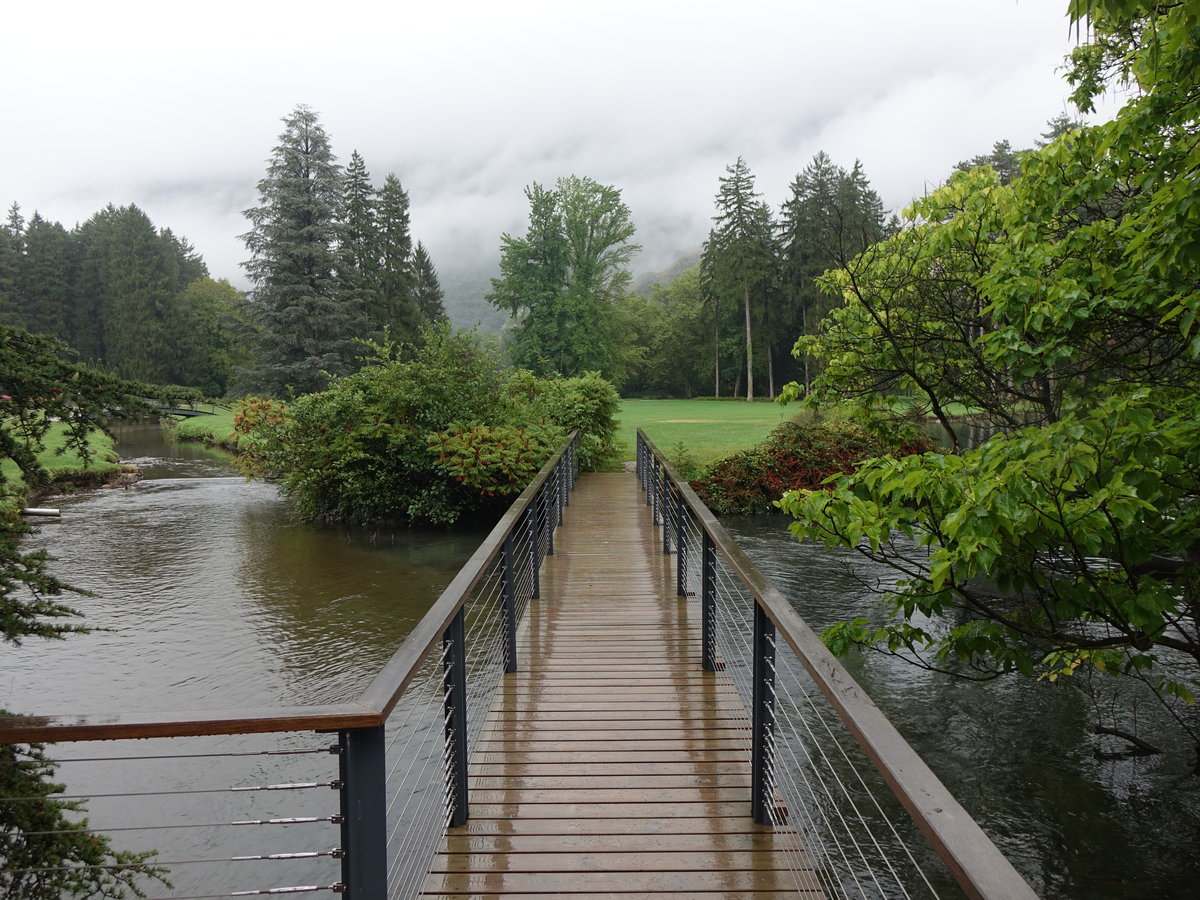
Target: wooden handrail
370 710
973 860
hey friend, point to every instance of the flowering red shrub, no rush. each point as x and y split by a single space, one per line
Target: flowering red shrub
795 455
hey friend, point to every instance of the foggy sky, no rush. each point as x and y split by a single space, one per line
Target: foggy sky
176 107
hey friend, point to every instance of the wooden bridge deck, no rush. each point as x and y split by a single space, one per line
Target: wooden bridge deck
611 765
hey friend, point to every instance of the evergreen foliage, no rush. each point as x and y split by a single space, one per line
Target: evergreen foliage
307 323
740 256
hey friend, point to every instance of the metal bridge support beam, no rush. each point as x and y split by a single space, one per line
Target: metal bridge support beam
363 773
708 603
762 763
454 687
508 604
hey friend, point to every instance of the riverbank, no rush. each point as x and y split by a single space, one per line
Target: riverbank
215 430
69 470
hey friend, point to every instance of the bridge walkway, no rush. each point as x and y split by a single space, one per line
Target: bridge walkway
610 764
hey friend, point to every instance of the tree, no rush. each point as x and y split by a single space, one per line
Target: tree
740 252
307 326
1061 309
397 308
427 290
561 280
48 852
358 268
831 216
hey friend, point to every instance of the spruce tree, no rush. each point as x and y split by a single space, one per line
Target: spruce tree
358 267
396 308
427 290
741 252
44 278
306 325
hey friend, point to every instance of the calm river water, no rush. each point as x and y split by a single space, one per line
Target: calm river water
1018 754
213 598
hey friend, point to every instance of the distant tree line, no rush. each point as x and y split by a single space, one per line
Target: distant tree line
135 299
332 263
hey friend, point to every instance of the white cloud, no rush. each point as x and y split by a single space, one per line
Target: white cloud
176 107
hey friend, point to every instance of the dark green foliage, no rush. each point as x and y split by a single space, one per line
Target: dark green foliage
739 259
396 278
428 432
48 833
307 324
427 290
561 279
797 456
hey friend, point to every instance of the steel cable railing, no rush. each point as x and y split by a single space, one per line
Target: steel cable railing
826 763
399 778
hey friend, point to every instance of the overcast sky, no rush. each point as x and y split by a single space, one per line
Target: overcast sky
175 107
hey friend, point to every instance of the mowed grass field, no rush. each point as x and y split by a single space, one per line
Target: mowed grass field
710 429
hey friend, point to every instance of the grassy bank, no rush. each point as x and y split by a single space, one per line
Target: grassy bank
710 429
67 468
216 429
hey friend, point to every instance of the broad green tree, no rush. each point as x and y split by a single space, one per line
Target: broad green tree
561 280
1060 308
307 327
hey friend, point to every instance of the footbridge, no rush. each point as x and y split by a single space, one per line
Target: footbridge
609 700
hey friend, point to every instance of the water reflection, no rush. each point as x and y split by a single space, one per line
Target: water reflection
208 596
1018 754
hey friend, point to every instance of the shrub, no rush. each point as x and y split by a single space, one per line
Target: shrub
421 433
795 455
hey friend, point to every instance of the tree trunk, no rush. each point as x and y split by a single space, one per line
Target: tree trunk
770 372
749 343
717 360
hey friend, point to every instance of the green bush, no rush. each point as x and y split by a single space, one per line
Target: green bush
795 455
426 432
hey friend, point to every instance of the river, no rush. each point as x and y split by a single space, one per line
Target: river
1018 754
211 597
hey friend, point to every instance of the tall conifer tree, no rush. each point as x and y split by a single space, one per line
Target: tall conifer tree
306 325
427 289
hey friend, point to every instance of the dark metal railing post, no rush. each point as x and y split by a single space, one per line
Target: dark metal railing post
681 547
655 480
535 550
708 603
508 604
363 773
547 517
763 720
454 686
667 506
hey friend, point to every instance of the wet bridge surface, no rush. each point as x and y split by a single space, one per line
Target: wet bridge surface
611 764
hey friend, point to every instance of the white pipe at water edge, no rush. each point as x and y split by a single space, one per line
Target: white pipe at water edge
40 511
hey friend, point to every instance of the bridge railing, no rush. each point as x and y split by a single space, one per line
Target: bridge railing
345 798
811 722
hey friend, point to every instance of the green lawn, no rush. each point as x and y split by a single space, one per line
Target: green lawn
102 460
214 429
710 429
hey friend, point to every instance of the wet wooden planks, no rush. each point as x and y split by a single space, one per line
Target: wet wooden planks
610 764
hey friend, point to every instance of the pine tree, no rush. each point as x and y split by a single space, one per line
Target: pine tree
358 269
427 289
306 326
741 252
396 308
44 278
831 216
